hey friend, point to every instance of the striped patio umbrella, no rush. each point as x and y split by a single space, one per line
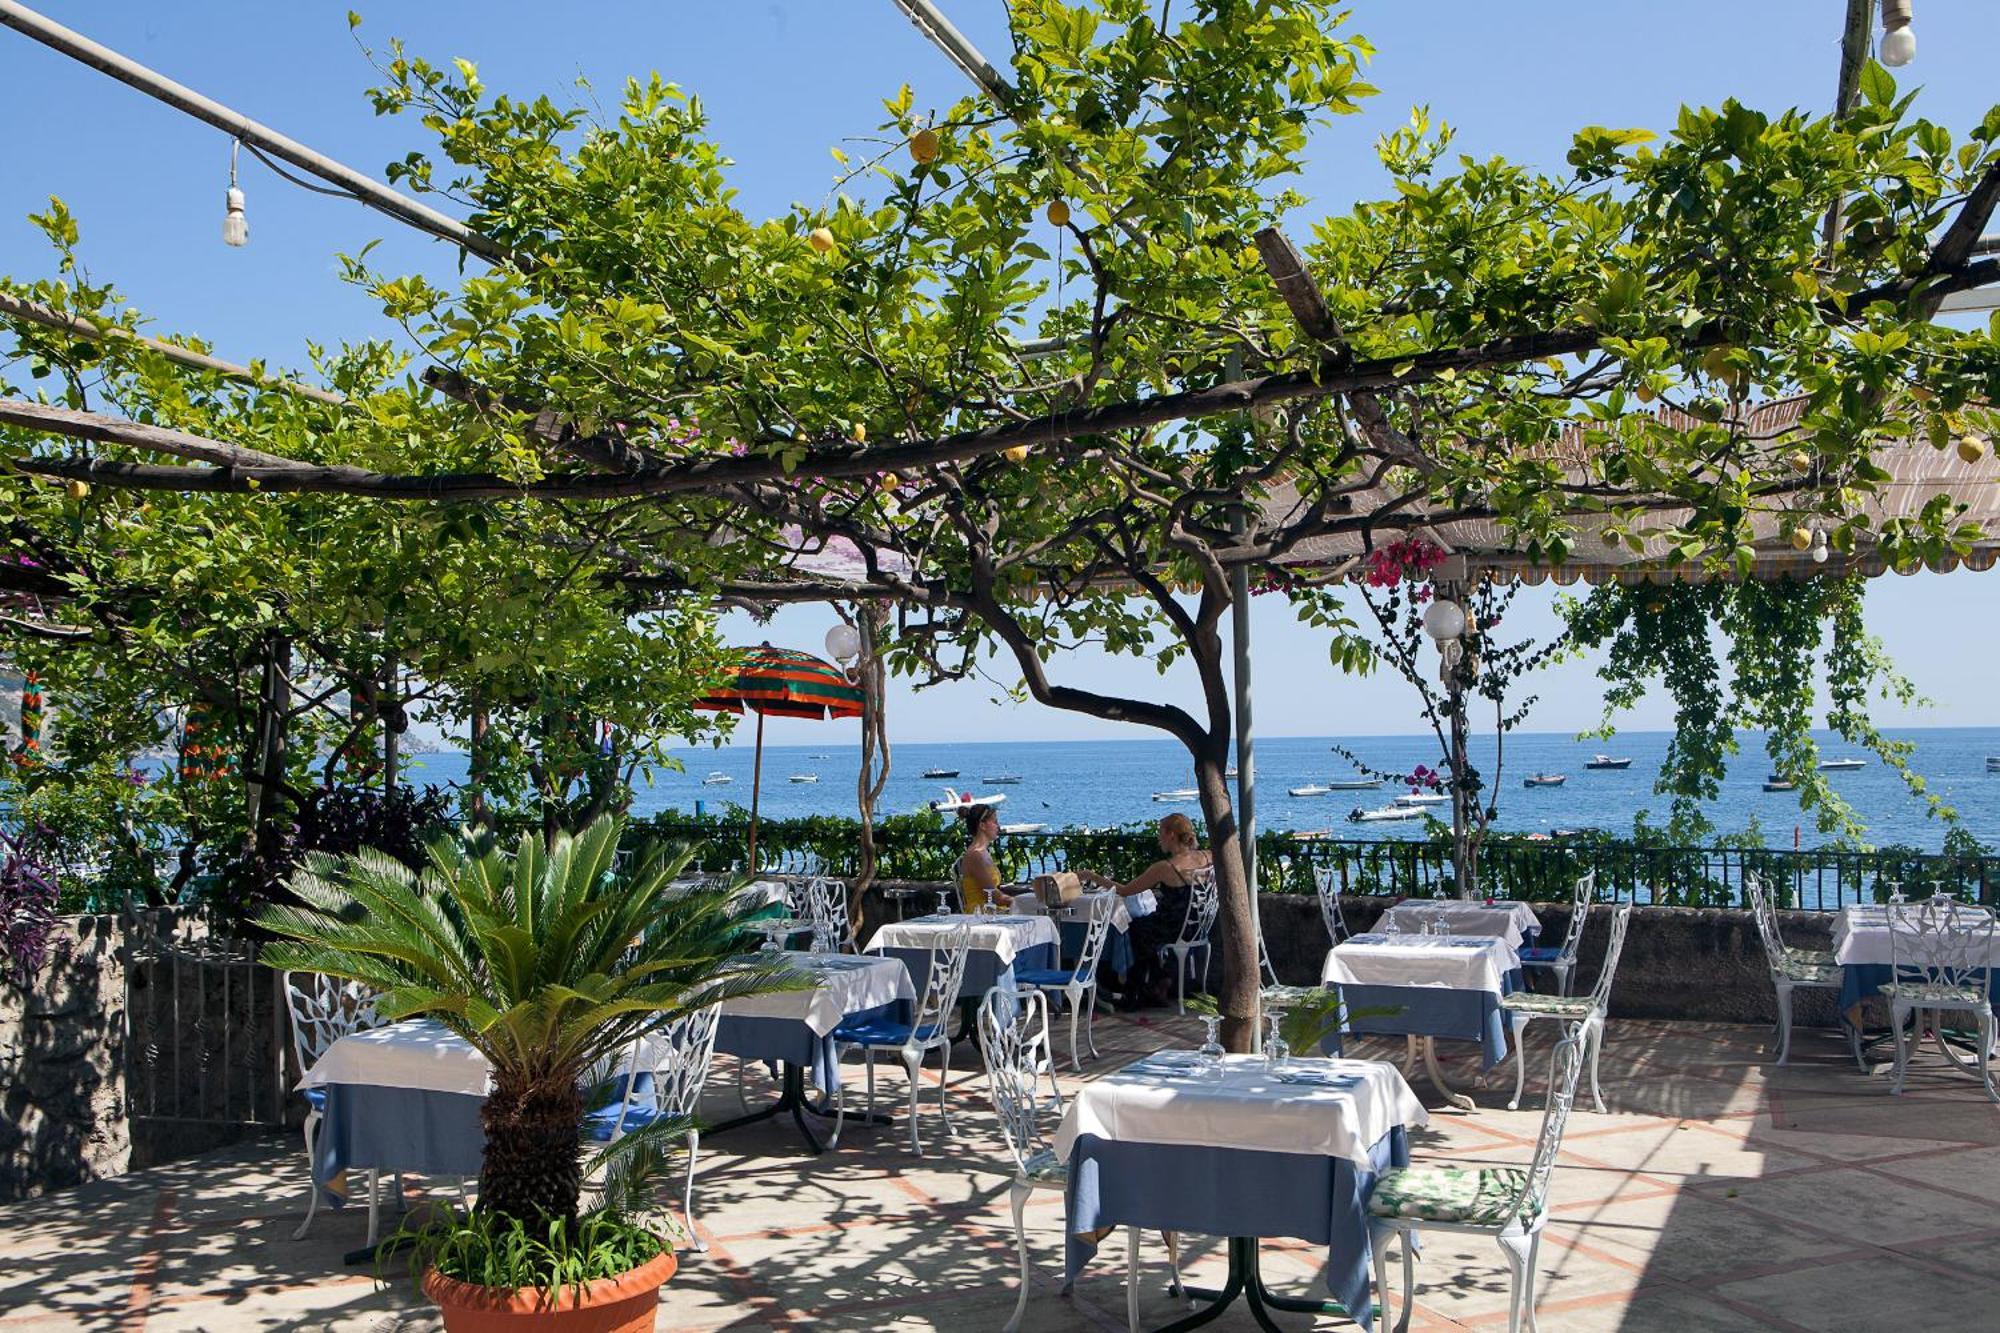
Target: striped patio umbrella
783 683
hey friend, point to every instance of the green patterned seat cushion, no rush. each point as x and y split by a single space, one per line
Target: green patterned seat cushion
1043 1167
1479 1197
1561 1006
1967 997
1808 957
1811 974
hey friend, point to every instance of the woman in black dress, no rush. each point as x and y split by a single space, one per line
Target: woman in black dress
1151 981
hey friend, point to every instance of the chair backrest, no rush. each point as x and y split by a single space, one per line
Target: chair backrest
1265 967
941 983
1327 883
1565 1064
1097 929
324 1009
1579 914
667 1065
1941 942
1600 994
826 907
1013 1027
1202 904
1765 913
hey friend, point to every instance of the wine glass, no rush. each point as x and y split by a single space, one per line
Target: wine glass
944 902
1211 1051
1277 1052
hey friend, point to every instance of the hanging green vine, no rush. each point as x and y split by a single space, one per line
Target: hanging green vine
1776 640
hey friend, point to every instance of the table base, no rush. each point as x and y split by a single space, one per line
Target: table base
1246 1279
1413 1044
793 1099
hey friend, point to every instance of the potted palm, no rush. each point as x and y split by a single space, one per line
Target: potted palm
549 961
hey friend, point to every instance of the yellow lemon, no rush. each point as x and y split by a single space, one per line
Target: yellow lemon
1058 213
1644 394
77 489
924 146
860 432
1017 454
820 239
1801 538
1610 537
1971 448
890 481
1800 460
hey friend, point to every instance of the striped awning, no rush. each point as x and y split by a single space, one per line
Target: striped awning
779 682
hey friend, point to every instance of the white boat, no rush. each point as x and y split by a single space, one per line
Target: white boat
805 777
954 801
1841 765
1310 789
1387 812
1415 798
1778 783
1004 780
717 780
1178 794
1355 784
1022 828
1607 761
1545 780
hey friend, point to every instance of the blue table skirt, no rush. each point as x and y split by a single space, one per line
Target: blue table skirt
1232 1192
982 968
395 1129
791 1041
1431 1011
1861 981
1116 959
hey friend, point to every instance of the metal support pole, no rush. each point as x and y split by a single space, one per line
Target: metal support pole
371 193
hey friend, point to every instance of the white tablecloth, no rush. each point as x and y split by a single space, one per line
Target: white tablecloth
1505 919
1002 936
843 984
1078 910
1861 935
1146 1102
1448 962
418 1053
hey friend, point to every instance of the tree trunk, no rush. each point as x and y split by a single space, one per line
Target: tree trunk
1234 943
477 746
531 1167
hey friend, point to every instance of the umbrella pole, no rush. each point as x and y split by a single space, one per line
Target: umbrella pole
756 786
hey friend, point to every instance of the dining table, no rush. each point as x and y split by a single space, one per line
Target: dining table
1434 986
1510 919
996 942
1238 1149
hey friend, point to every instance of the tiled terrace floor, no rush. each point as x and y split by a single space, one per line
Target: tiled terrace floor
1719 1193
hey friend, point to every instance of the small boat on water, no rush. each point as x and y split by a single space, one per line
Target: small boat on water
1545 780
1607 761
940 772
1310 789
717 779
805 777
955 801
1178 794
1414 797
1355 784
1004 780
1387 812
1776 783
1841 765
1022 828
1993 763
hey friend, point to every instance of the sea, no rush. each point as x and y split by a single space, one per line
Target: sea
1110 784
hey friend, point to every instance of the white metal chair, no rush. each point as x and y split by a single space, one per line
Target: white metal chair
824 903
1586 1011
1326 883
1077 985
1941 961
1508 1203
1008 1024
323 1010
662 1080
1195 928
928 1031
1561 959
1792 969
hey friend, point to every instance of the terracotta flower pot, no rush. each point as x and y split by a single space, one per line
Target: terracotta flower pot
623 1304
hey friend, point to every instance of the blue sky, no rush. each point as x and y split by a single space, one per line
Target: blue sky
783 82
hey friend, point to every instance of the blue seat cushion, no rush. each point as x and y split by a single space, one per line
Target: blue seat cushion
879 1032
600 1124
1035 976
1539 955
315 1098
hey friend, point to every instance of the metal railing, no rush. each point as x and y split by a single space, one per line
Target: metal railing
1812 880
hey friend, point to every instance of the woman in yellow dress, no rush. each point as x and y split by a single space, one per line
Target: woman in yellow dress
978 876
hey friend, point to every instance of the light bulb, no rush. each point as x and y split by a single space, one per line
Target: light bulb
843 641
1819 547
1899 46
1444 620
235 227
